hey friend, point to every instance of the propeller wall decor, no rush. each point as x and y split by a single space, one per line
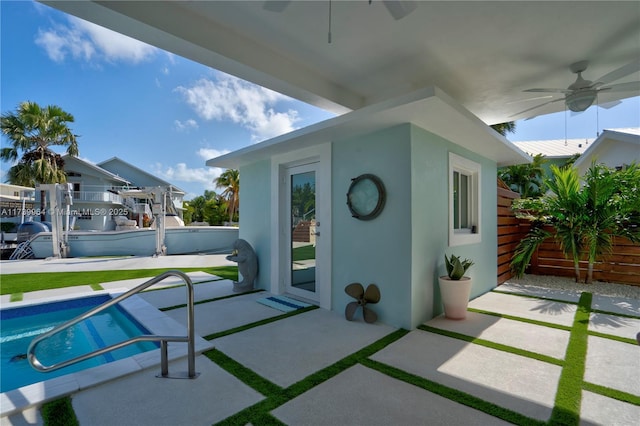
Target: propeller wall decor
363 297
581 94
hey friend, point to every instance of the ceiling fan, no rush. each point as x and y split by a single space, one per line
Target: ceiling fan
397 8
581 94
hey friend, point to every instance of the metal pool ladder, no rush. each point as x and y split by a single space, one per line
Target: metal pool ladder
191 374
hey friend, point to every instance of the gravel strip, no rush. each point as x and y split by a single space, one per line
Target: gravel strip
564 283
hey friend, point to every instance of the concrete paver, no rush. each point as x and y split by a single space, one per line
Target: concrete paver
613 364
202 291
361 396
144 399
226 314
614 325
521 384
518 334
526 307
598 409
291 349
617 305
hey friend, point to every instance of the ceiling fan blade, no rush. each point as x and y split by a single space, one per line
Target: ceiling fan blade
623 87
350 310
372 294
608 105
400 8
369 315
620 72
275 5
537 106
548 90
355 290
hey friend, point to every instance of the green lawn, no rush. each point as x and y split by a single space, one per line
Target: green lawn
304 253
21 283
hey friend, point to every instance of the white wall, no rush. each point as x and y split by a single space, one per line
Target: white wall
256 224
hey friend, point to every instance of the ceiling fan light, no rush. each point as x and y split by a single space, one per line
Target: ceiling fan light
580 100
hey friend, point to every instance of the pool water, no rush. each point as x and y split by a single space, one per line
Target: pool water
21 325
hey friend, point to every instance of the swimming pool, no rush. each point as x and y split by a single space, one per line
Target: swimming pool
21 325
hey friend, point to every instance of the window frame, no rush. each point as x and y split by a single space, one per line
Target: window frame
471 169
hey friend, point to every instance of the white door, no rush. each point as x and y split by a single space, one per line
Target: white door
304 230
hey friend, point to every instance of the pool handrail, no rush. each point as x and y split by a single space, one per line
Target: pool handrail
190 338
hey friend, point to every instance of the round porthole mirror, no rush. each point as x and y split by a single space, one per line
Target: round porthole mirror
366 197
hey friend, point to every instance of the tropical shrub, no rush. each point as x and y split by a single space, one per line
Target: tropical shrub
584 215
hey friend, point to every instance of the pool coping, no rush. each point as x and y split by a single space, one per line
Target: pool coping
154 320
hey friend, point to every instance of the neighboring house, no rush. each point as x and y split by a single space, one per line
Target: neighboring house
559 151
97 190
140 178
613 148
437 162
95 194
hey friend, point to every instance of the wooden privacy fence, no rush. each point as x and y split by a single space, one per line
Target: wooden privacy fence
510 231
621 266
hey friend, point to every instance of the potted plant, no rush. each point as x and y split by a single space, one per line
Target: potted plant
455 288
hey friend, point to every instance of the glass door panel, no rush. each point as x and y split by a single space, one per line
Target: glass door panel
304 230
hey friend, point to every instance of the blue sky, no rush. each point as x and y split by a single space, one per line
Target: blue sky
166 114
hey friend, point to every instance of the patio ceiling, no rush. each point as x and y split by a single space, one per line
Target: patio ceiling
483 54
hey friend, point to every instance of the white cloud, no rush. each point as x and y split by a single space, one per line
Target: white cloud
247 104
84 41
209 153
181 173
185 126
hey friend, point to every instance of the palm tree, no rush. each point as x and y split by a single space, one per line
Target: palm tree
32 130
583 217
526 179
612 200
230 181
563 210
504 128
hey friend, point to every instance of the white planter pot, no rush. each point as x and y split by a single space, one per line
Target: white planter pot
455 296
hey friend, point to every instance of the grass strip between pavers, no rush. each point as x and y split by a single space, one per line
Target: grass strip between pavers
244 374
16 297
59 413
613 337
521 319
533 296
492 345
612 393
452 394
258 414
258 323
566 410
595 311
215 299
617 314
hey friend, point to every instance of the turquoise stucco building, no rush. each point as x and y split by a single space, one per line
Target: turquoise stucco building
438 165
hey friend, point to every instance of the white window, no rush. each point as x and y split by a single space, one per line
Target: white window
464 201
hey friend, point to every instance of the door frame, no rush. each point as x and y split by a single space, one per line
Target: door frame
280 243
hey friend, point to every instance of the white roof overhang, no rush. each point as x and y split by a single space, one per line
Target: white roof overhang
430 109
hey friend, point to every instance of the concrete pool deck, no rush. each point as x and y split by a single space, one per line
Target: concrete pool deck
509 352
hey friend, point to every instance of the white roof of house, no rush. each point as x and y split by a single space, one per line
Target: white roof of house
560 148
